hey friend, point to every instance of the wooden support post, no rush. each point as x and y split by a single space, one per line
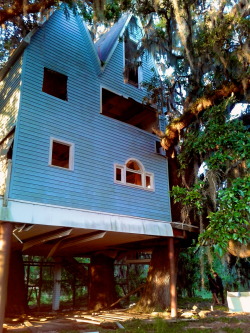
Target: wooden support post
74 291
57 285
173 291
40 284
5 245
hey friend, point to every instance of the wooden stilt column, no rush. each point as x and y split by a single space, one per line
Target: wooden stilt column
5 245
173 291
101 289
57 285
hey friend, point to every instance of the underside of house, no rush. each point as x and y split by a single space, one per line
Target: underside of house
62 244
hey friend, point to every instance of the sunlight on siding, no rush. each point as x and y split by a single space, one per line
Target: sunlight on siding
3 173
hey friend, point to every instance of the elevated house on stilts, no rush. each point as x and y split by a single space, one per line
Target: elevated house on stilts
81 173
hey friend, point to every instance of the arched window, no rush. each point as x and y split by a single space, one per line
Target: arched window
133 173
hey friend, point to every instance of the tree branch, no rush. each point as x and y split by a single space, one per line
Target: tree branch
242 8
173 130
19 7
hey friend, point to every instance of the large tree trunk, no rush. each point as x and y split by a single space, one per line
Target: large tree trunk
174 180
156 295
101 282
17 297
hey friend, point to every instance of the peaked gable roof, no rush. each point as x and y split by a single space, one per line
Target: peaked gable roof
105 46
28 39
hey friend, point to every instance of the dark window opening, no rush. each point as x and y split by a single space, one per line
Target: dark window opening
129 111
133 165
148 182
10 151
60 155
131 63
131 75
118 176
133 178
159 149
55 84
6 145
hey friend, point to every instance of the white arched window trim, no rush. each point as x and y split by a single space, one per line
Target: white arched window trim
146 179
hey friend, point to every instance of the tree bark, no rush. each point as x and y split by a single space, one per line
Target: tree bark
17 297
156 295
19 8
192 109
239 250
101 282
174 180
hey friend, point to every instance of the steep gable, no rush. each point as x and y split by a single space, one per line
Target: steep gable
107 43
118 50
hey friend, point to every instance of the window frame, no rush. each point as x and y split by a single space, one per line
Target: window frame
71 153
144 174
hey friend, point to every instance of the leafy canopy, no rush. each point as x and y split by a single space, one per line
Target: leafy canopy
221 194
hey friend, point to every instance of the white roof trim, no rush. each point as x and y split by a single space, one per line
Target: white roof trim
38 213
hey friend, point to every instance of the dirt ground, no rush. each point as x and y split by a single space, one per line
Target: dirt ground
195 319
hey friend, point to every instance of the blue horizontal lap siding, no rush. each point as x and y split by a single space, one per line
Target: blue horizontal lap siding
99 141
77 182
115 70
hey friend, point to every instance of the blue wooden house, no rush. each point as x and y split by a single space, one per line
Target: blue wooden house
81 169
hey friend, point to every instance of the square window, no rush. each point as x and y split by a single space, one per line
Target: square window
61 154
55 84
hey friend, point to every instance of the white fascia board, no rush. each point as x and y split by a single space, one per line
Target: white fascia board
38 213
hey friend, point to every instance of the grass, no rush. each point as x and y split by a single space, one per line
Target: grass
159 325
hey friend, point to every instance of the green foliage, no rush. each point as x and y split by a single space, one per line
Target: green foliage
112 10
189 197
188 266
222 194
234 274
233 330
216 139
231 220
